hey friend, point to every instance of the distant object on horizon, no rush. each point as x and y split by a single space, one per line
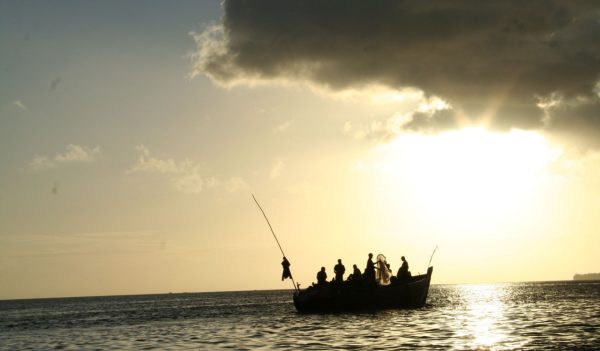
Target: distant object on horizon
588 276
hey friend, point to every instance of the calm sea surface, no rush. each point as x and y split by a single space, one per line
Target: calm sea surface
553 315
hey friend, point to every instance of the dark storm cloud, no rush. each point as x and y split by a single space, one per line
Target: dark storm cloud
493 59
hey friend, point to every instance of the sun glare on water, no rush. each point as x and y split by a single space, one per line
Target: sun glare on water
470 173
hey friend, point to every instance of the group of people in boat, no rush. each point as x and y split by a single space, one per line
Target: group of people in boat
377 272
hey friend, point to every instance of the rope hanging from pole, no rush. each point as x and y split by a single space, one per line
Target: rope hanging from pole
274 236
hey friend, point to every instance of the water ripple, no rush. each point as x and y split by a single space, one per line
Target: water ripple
559 316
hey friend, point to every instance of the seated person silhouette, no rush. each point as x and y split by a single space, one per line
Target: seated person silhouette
403 272
322 277
356 274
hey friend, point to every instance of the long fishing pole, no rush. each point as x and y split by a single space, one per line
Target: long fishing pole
275 236
431 258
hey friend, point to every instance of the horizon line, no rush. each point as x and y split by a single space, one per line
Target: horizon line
253 290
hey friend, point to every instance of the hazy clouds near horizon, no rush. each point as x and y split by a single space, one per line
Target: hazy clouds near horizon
529 65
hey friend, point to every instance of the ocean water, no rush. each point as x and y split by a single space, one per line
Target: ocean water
550 315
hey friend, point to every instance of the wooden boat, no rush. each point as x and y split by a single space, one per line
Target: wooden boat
355 295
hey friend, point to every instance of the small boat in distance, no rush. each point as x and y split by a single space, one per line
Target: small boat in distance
348 295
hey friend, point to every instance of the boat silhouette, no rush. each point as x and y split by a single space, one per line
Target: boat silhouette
410 292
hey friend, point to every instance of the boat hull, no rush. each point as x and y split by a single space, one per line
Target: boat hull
348 296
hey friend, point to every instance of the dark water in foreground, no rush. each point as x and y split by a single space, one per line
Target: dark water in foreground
554 315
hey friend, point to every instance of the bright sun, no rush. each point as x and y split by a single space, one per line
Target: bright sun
470 173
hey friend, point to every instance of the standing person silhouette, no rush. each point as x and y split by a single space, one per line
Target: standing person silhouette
339 271
370 270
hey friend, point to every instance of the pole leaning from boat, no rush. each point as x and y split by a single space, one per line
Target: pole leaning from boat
431 258
276 240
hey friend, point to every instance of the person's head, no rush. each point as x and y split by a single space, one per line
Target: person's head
284 258
402 258
354 266
370 255
339 260
322 269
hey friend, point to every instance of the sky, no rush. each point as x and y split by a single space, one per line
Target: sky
133 135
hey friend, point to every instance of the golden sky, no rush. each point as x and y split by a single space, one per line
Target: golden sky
133 135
